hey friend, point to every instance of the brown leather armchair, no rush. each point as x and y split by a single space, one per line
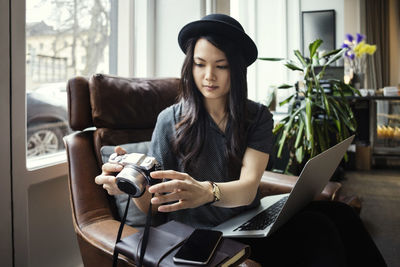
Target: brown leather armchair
108 110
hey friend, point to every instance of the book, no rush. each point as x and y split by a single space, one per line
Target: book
165 240
242 253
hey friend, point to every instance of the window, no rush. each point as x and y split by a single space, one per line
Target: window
64 38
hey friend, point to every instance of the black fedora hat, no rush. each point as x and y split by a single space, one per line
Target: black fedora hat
222 25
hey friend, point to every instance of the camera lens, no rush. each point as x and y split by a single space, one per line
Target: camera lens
131 181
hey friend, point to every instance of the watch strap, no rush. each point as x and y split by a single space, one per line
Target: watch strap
216 192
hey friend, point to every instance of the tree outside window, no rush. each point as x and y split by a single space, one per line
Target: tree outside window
64 38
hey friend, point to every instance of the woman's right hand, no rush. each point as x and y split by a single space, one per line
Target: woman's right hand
107 177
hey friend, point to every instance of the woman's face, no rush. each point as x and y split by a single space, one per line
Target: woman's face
211 71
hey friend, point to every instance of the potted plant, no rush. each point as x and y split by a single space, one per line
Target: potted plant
316 119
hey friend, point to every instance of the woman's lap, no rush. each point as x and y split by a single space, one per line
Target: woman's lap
324 233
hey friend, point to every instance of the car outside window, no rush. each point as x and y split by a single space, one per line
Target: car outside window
64 38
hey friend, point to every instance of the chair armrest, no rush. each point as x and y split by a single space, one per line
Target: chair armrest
275 183
99 238
93 220
103 233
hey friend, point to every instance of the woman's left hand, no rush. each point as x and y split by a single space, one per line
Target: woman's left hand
182 190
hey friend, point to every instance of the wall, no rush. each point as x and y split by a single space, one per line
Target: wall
353 11
271 39
170 17
265 23
52 239
394 45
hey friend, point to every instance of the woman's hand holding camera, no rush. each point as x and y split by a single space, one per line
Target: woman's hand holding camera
107 177
181 189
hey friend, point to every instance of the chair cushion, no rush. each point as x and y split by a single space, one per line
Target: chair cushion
135 216
122 103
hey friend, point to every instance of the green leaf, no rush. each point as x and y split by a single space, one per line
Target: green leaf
278 128
299 154
308 119
336 57
348 87
326 103
301 58
283 138
314 46
286 132
287 100
349 122
285 86
271 58
337 119
315 61
332 52
293 67
342 115
321 140
299 134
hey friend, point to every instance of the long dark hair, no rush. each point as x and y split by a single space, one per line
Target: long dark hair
190 131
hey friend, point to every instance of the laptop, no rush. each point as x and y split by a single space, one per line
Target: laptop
276 210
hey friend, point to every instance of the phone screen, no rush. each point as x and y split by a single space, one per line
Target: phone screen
199 247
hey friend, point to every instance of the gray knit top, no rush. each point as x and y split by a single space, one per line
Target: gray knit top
211 164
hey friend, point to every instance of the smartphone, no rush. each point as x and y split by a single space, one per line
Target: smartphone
199 247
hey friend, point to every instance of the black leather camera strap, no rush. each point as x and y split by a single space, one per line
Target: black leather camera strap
145 237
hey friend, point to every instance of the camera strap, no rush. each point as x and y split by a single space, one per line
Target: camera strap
145 236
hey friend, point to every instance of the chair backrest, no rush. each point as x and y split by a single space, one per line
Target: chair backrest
106 110
123 110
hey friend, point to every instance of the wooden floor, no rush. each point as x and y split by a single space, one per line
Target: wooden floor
379 190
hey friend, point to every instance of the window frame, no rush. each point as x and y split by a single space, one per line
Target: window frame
6 227
22 177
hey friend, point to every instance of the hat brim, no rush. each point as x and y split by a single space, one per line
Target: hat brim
204 27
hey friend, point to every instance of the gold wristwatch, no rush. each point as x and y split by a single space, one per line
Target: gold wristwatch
216 192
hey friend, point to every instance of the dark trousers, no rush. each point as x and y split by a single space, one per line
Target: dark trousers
325 233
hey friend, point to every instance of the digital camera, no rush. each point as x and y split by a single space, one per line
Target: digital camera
135 175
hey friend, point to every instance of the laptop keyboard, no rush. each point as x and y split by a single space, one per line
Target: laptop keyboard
264 218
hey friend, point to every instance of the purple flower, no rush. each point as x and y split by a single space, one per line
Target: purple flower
349 37
345 45
349 54
360 37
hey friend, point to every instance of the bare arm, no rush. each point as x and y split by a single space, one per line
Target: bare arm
186 192
243 191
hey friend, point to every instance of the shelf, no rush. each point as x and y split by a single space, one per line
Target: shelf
389 116
389 98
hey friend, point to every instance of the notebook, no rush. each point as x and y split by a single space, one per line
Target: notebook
276 210
165 240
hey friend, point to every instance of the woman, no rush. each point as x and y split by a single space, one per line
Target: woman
214 146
